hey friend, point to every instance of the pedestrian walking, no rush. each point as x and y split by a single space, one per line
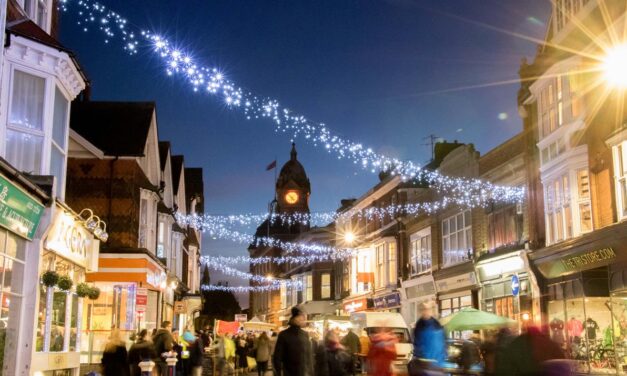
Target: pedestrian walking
292 354
141 350
332 359
241 351
352 344
163 343
262 352
115 357
429 342
382 352
195 349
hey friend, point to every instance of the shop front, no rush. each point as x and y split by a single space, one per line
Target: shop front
20 216
585 290
456 288
133 289
70 249
507 287
413 293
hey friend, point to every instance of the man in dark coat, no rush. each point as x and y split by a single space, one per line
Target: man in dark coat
163 342
352 344
292 354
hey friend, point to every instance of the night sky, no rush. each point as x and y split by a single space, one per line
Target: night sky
379 72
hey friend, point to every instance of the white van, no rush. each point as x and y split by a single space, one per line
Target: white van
366 324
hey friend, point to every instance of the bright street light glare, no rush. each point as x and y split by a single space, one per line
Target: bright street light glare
615 66
349 237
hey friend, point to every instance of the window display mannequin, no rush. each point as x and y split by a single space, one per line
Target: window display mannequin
591 329
574 328
557 330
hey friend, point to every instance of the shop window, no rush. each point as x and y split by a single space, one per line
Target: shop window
11 294
456 238
620 178
325 289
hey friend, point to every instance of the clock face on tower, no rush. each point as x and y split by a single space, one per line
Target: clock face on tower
291 197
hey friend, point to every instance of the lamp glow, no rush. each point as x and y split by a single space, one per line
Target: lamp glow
615 66
349 237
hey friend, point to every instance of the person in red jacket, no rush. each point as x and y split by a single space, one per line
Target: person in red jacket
382 352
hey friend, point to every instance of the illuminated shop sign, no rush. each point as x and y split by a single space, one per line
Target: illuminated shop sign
579 261
356 305
18 211
70 239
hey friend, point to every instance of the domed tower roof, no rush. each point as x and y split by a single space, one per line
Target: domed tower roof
293 171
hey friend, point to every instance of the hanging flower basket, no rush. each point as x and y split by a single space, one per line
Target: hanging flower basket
65 283
94 293
50 278
83 290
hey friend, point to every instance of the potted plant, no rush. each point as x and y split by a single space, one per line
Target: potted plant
65 283
50 278
94 293
82 290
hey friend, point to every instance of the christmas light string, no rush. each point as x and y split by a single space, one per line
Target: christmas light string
232 272
212 80
240 289
279 260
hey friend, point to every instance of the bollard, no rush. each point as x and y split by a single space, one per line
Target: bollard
146 367
171 361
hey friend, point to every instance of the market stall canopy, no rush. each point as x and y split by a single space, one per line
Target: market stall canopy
257 325
474 319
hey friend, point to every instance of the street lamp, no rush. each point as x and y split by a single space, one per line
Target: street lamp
615 66
349 237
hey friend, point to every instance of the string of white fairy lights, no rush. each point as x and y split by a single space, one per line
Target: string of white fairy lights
181 63
227 270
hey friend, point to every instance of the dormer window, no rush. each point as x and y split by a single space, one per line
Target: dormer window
38 11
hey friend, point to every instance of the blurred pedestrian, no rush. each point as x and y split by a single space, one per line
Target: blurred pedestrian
141 350
332 358
195 349
262 350
352 344
429 339
115 357
382 352
292 354
163 343
528 355
241 351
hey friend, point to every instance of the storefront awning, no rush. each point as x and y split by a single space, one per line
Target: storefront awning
596 249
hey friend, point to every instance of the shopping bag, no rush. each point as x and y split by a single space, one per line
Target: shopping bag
252 363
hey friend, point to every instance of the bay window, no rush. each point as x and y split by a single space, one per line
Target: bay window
421 251
456 238
362 275
147 236
568 209
38 11
36 143
392 272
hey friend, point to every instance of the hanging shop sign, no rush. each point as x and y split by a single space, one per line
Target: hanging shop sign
574 262
70 239
141 299
180 307
457 282
19 212
356 305
387 301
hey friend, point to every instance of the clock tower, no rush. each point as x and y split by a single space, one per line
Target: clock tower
292 187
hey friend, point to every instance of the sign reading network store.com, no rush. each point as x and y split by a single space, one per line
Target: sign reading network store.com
19 212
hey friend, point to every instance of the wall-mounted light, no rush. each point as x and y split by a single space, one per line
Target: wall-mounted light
93 223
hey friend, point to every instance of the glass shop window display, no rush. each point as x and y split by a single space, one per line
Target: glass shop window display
586 327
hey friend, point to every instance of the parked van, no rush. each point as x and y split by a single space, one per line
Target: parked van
366 324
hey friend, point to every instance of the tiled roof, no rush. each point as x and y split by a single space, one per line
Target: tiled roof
116 128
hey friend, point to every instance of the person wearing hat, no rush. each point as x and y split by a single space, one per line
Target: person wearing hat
293 354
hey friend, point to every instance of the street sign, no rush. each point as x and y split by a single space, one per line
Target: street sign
141 299
241 317
515 285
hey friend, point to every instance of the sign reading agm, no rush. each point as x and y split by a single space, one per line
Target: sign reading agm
18 211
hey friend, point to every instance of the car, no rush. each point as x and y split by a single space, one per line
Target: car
463 356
